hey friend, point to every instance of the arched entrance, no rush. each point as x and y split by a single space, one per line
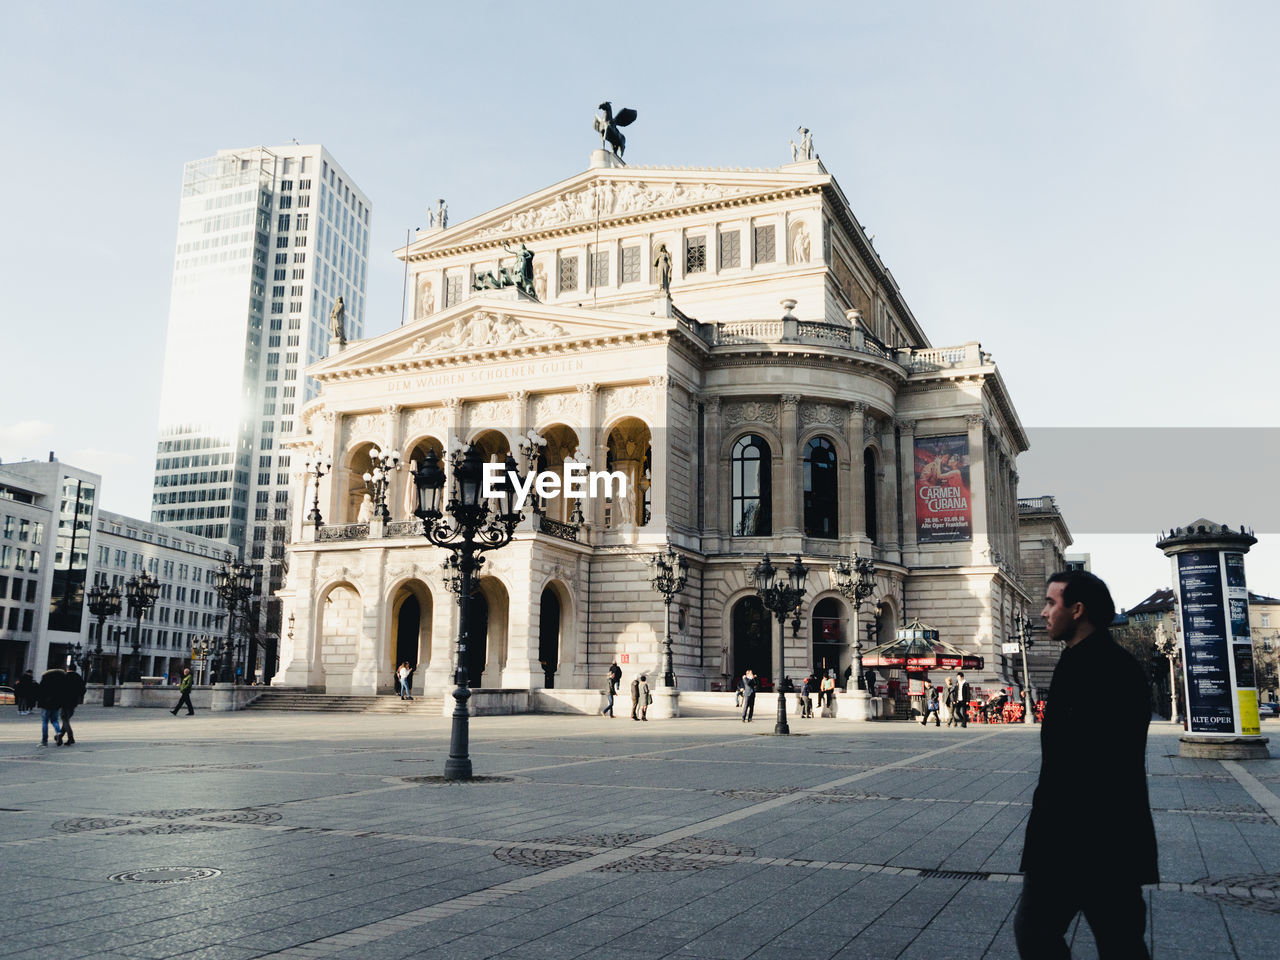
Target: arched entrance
338 642
549 636
752 640
830 651
410 640
477 638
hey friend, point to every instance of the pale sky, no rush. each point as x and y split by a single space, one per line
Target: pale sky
1086 188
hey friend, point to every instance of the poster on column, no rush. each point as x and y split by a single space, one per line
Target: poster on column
943 508
1204 625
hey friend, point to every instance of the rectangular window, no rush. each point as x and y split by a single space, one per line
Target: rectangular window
282 223
1266 619
31 591
26 620
568 274
763 251
303 220
598 268
452 291
282 258
286 202
730 249
630 264
695 255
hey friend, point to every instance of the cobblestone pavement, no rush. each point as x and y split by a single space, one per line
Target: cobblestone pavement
318 835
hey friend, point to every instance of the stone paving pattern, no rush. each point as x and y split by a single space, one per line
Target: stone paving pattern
332 836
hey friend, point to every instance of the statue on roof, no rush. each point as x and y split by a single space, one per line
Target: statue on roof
804 149
337 324
522 275
607 126
441 217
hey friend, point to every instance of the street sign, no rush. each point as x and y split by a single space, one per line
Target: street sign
1010 649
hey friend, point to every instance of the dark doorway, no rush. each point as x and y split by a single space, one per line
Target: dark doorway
828 639
408 629
752 642
549 636
869 493
477 639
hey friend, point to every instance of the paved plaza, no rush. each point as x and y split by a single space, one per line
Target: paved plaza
288 835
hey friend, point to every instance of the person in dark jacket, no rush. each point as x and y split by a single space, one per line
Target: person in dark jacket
635 698
1090 843
24 692
49 697
72 697
748 696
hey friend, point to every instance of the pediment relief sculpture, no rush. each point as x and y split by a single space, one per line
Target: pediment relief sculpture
609 198
483 329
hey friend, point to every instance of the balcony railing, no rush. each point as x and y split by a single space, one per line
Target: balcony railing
556 528
1037 505
403 528
343 531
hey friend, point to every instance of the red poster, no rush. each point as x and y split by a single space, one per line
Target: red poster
943 499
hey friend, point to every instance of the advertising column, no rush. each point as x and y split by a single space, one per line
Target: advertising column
1222 696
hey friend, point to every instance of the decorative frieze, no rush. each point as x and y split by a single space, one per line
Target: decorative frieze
566 407
619 401
751 411
485 329
422 420
820 413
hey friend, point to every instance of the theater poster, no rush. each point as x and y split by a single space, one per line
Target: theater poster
943 509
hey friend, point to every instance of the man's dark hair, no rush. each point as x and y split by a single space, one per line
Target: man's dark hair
1079 586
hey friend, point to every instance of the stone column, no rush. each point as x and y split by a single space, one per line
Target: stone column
789 472
856 524
659 388
713 473
978 481
888 517
592 447
907 462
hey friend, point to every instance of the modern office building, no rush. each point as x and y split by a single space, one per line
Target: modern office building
268 239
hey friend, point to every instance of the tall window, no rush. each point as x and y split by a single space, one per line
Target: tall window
695 255
752 491
869 491
730 249
821 490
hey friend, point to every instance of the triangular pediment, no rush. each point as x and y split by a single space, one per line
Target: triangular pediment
612 195
481 328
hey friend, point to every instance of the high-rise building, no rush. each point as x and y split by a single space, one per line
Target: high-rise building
268 239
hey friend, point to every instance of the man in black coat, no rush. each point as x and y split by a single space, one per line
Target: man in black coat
1090 843
50 697
72 697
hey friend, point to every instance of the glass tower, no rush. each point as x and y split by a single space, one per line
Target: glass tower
268 239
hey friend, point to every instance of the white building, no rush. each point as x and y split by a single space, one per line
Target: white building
823 426
268 239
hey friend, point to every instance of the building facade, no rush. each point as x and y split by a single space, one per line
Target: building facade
268 239
1043 539
782 399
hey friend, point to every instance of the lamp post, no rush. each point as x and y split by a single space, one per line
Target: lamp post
531 447
781 598
1167 644
103 603
469 530
318 468
141 592
234 584
376 481
856 583
1023 639
669 573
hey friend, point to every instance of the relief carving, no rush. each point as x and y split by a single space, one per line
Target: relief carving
812 413
484 329
556 406
750 412
425 420
424 298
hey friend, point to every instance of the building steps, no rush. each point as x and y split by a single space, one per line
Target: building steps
297 701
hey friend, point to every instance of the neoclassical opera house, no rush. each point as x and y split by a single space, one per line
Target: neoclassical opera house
783 398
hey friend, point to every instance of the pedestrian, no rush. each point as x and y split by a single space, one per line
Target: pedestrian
806 697
611 688
1090 842
870 680
24 693
748 696
635 698
73 696
402 680
827 691
949 701
184 691
49 698
931 706
646 697
963 693
802 692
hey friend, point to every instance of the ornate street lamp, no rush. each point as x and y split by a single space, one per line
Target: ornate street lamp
469 530
141 592
103 603
378 479
856 583
669 573
1167 644
318 468
532 446
234 584
1023 639
781 598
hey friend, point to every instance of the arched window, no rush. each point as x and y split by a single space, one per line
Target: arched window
869 491
752 493
821 490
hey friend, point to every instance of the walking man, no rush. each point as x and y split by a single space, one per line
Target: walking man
748 696
49 698
961 708
184 689
1090 843
72 697
611 687
931 706
635 698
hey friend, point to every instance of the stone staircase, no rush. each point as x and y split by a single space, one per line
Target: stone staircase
298 701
